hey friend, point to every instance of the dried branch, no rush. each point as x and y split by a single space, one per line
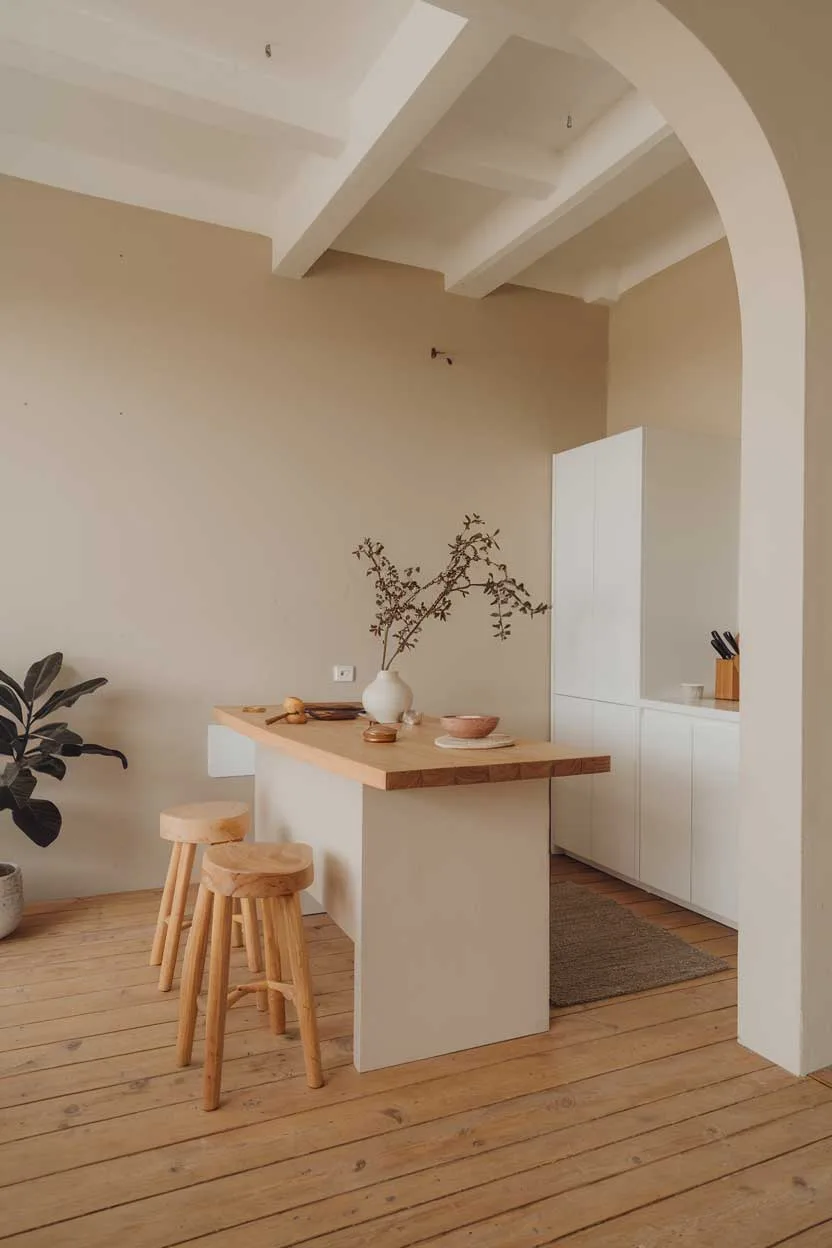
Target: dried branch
404 603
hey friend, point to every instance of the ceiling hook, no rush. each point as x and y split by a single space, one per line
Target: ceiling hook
436 354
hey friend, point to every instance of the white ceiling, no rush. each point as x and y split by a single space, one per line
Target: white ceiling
474 137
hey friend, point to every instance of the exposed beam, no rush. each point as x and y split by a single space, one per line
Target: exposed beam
552 29
58 165
425 67
85 49
629 147
508 165
695 235
613 276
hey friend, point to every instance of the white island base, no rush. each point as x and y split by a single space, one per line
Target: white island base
444 891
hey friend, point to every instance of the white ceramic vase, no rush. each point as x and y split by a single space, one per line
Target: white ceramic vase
11 897
387 698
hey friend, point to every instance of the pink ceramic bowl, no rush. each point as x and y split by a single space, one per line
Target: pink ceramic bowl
468 726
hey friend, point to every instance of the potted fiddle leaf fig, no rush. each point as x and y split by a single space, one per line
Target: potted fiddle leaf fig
33 743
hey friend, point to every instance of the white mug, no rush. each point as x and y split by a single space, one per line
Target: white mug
693 693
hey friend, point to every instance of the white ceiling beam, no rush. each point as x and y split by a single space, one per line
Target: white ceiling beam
425 67
72 170
503 164
552 29
607 281
694 236
84 49
624 151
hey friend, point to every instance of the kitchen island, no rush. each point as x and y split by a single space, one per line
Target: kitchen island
434 862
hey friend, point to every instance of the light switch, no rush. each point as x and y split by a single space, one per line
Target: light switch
344 672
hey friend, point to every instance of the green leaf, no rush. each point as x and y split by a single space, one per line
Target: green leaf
9 735
40 676
52 736
47 765
68 697
9 701
9 774
40 820
12 683
22 787
74 751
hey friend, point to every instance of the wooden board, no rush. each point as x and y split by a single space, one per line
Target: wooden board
413 761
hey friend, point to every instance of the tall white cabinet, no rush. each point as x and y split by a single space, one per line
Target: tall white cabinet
645 557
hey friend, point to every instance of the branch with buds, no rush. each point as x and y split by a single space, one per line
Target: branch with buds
405 601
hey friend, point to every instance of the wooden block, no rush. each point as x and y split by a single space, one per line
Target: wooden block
727 681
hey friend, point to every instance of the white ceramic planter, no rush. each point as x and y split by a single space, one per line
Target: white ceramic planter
11 897
387 698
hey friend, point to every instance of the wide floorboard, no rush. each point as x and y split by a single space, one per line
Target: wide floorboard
638 1121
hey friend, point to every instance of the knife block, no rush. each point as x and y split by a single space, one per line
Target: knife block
727 683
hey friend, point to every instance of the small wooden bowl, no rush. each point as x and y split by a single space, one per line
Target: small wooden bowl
469 726
380 734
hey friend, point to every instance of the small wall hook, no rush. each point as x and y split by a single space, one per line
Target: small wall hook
436 354
268 50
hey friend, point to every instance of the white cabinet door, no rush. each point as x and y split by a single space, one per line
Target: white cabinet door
665 802
615 794
616 612
574 521
572 795
716 762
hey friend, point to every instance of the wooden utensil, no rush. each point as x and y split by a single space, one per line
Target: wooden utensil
294 711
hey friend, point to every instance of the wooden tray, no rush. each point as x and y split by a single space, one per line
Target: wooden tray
334 710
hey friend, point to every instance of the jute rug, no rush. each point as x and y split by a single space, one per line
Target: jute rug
601 949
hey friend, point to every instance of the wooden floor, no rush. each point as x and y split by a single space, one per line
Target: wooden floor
638 1123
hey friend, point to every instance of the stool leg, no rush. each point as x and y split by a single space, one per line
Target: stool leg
236 928
217 1000
302 983
252 941
192 974
164 906
274 972
177 914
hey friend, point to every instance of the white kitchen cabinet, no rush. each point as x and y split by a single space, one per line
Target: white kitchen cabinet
645 559
615 794
665 801
596 569
645 562
573 570
572 795
594 817
715 814
616 617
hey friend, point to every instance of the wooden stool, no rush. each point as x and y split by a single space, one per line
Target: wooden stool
197 823
273 875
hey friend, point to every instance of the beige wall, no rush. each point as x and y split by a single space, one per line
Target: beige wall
675 355
192 448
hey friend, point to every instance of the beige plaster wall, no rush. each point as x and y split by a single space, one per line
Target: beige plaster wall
675 352
192 448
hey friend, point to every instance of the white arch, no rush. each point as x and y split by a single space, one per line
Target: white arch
669 64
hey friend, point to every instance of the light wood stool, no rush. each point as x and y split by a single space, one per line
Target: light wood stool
196 823
273 875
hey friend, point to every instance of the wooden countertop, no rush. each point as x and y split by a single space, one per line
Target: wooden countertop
413 762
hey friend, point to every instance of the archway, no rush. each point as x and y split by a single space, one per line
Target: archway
785 999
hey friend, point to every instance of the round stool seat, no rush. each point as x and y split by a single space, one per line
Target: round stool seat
205 823
261 871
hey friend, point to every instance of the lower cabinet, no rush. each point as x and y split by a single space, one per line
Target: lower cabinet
715 817
665 831
594 817
572 796
667 813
